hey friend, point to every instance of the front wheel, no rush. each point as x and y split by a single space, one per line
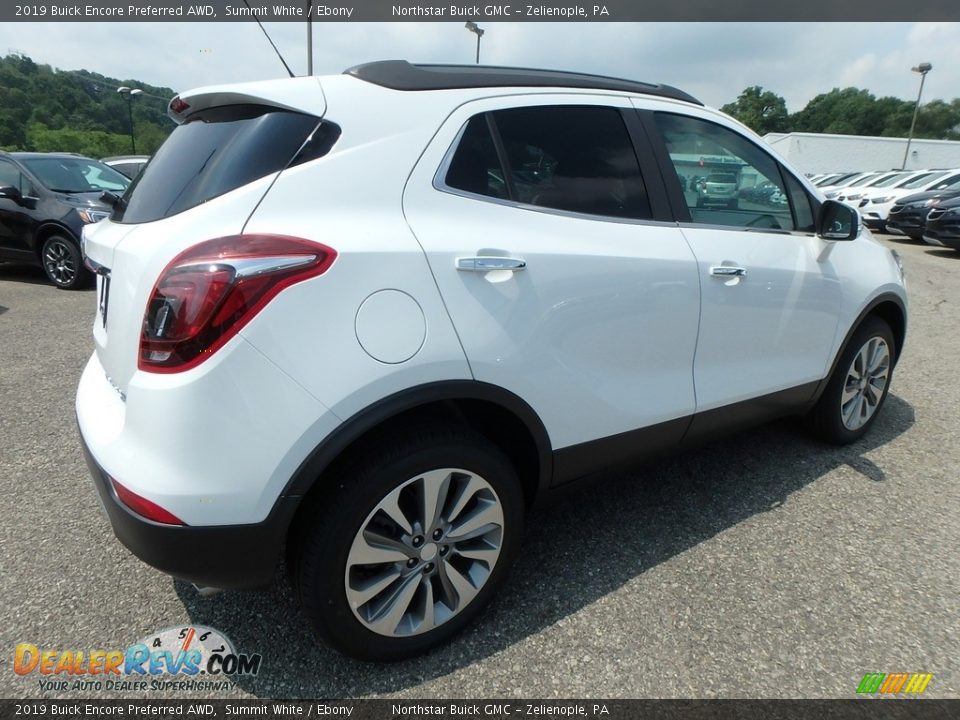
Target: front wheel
412 546
62 263
858 387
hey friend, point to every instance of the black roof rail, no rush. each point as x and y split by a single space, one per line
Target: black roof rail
402 75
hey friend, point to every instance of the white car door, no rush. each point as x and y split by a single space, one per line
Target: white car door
561 286
770 295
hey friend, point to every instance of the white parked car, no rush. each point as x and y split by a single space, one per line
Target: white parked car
875 205
376 317
854 192
831 190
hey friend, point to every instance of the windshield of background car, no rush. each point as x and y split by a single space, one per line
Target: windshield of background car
218 150
855 180
951 184
923 180
883 180
76 175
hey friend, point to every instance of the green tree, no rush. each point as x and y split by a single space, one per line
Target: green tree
45 109
761 110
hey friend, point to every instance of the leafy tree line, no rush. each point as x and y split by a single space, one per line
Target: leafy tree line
846 112
45 109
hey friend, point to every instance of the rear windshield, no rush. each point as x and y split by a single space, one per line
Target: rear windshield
722 178
218 150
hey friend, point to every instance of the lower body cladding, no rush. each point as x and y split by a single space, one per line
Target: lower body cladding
247 555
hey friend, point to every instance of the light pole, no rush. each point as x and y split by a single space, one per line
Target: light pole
923 69
130 95
476 30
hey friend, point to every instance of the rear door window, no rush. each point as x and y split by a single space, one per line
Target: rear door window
562 157
218 150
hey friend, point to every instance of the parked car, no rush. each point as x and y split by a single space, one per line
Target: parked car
830 178
909 214
854 192
718 188
45 201
759 193
838 180
378 348
942 227
875 206
833 189
129 165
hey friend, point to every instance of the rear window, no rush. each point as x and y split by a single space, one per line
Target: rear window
563 157
730 179
218 150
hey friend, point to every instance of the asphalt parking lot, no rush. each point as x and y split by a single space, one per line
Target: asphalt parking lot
768 565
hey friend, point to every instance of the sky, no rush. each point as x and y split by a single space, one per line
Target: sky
712 61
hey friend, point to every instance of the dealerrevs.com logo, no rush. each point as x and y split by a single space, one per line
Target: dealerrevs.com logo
178 658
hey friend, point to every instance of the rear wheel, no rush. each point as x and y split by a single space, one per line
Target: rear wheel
416 540
63 264
858 387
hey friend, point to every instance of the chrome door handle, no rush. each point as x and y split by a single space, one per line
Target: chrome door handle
488 264
727 271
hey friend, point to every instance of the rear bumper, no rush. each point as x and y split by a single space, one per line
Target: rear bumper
225 556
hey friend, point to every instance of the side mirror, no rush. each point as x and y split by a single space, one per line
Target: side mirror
11 193
837 221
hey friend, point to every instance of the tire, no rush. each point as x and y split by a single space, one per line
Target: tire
379 610
62 263
851 402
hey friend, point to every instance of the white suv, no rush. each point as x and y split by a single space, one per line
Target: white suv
374 318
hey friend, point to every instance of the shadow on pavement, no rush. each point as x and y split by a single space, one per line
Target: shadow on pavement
16 272
668 507
944 252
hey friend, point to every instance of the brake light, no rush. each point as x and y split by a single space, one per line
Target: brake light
143 507
210 291
177 108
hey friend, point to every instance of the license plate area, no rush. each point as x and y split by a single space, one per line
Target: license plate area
103 294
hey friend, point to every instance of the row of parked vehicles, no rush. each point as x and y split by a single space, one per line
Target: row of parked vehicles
920 204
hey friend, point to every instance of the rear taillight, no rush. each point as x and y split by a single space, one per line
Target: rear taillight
210 291
143 507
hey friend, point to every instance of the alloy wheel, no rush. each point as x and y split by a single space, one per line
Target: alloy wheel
424 552
59 262
865 383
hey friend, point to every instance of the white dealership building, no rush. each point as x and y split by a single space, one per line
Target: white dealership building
821 153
